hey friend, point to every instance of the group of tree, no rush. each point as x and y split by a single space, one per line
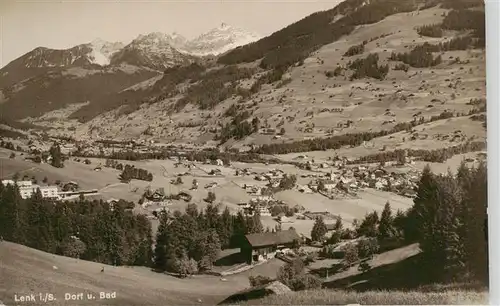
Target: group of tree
430 30
238 128
131 172
356 49
433 156
293 274
448 219
418 57
7 145
111 163
467 19
213 87
89 230
191 241
368 67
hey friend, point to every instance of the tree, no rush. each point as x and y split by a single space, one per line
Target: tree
319 230
160 252
367 247
12 155
74 248
45 180
385 228
211 197
338 223
194 184
350 255
368 226
179 181
57 158
209 248
288 182
291 271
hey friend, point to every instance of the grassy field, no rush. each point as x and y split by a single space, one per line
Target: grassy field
24 271
342 297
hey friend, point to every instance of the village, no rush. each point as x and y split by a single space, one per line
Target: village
288 197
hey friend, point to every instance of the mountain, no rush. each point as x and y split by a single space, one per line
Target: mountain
219 40
40 60
102 51
155 50
362 67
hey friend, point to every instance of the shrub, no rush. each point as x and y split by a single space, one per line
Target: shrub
259 280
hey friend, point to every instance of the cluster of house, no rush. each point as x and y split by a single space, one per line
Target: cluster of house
350 180
27 189
261 205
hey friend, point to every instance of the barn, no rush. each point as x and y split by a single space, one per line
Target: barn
263 246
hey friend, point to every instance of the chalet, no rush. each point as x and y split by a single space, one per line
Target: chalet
263 246
215 172
185 196
158 195
329 184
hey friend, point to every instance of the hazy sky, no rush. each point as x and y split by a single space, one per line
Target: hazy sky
61 24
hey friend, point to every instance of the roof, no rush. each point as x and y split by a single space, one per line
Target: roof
265 239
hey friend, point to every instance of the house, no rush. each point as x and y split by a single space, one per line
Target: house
219 162
97 169
215 172
263 246
329 184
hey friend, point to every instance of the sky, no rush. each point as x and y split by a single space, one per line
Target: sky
26 25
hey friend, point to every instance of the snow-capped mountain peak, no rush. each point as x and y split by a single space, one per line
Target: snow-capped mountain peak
101 51
219 40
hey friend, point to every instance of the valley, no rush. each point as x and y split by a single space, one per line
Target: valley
328 158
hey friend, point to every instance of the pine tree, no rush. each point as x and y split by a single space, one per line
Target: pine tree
385 227
319 230
57 158
209 248
338 223
239 229
160 251
225 229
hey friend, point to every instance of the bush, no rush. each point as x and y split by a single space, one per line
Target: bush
259 280
401 66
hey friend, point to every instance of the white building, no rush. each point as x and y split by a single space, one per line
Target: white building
47 191
19 183
27 189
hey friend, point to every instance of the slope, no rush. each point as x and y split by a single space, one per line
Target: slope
317 97
25 271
